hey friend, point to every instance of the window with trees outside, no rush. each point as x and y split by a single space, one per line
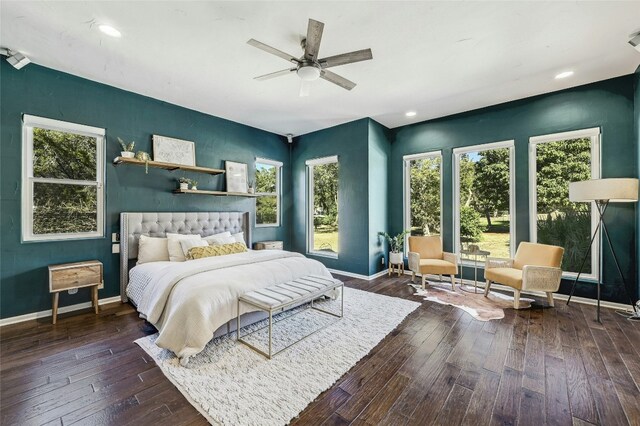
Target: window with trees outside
62 180
484 201
555 161
422 193
322 211
268 191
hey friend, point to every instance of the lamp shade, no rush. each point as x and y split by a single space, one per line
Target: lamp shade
615 190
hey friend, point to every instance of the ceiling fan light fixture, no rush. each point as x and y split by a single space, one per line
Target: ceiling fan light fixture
308 73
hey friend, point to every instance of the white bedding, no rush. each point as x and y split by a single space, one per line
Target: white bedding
188 301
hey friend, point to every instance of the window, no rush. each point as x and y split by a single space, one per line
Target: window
484 200
422 193
62 176
268 189
554 161
322 210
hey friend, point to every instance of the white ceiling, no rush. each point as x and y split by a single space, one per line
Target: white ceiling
437 58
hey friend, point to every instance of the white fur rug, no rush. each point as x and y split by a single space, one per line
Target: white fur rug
231 384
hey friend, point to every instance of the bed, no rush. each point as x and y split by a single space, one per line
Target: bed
191 302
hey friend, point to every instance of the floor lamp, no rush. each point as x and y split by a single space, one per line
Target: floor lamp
603 192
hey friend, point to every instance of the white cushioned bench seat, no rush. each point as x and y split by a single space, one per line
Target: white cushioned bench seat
285 295
304 288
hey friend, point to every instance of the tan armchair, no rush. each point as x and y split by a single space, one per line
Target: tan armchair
535 267
426 257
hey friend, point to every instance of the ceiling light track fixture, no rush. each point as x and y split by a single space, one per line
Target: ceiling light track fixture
15 58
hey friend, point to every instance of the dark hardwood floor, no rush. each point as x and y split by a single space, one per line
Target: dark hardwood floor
440 366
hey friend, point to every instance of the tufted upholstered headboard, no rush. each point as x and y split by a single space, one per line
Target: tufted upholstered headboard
157 224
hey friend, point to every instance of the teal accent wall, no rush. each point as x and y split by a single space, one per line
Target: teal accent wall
44 92
379 153
350 143
607 104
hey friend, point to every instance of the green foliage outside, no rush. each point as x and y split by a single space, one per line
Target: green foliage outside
325 204
63 208
425 196
267 205
471 227
561 222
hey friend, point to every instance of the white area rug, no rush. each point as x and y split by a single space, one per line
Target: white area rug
231 384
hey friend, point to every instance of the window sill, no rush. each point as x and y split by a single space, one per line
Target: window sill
268 225
323 254
59 238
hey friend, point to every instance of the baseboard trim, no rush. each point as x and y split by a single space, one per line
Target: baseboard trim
359 276
48 312
556 296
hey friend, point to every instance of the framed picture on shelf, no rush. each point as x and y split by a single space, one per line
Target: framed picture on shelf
171 150
236 174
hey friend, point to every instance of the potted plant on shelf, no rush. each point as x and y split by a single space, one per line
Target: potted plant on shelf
250 189
127 149
194 184
396 245
184 183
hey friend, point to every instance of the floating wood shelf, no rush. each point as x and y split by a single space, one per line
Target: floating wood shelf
166 166
216 193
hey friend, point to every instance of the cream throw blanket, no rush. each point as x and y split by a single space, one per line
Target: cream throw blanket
188 302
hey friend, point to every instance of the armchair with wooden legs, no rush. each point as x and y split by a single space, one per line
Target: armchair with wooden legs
426 257
535 267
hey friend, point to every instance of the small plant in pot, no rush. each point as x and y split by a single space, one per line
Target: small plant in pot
396 245
250 188
194 184
184 183
127 149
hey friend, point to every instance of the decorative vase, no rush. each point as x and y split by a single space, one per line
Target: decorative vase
127 154
250 190
184 186
395 257
194 188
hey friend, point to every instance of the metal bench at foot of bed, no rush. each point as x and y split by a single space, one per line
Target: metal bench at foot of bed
282 296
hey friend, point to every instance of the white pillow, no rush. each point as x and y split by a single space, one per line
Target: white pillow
188 244
239 238
152 249
175 249
221 238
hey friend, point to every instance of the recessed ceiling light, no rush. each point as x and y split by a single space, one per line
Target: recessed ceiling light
109 30
564 74
410 113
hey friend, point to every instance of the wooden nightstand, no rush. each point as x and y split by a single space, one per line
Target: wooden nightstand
69 276
268 245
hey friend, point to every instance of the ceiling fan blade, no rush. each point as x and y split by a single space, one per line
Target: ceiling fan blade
274 74
346 58
314 36
273 51
336 79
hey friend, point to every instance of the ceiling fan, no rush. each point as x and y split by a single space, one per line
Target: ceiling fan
308 67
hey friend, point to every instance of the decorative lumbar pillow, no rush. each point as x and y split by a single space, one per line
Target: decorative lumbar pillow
216 250
175 249
152 249
218 239
186 245
239 237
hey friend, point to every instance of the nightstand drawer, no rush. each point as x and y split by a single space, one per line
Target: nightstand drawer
68 277
268 245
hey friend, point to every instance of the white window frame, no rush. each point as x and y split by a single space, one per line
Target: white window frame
29 122
594 134
406 181
278 166
310 205
457 152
